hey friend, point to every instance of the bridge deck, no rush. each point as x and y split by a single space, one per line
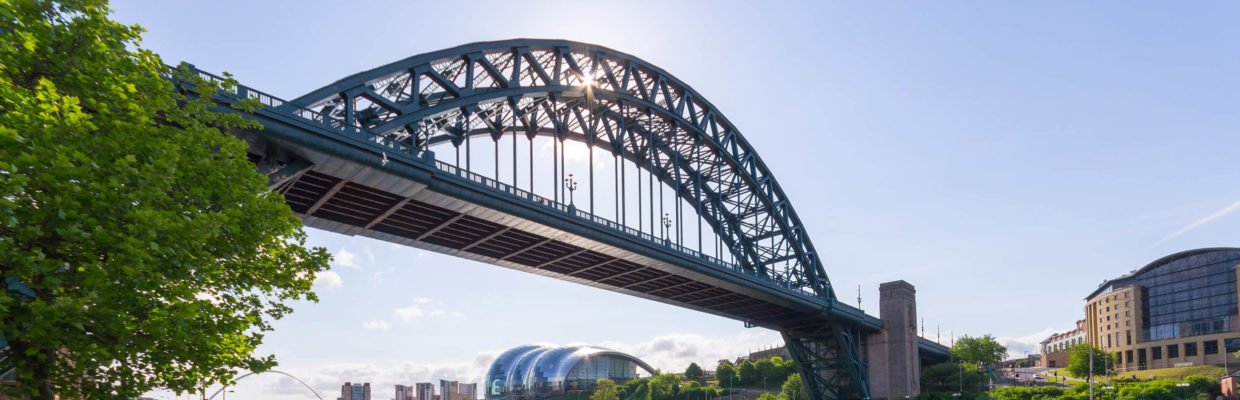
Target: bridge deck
362 186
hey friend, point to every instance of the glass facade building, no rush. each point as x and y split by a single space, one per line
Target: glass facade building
537 372
1187 299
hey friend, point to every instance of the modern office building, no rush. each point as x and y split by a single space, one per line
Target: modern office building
355 391
425 390
538 372
405 393
468 391
453 390
1055 349
1179 310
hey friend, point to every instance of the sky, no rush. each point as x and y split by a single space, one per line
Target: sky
1005 160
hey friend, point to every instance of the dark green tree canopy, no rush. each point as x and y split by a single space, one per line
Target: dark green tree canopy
725 373
748 374
984 350
1078 361
139 246
693 372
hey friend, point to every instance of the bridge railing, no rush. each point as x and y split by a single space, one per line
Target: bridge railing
280 106
495 185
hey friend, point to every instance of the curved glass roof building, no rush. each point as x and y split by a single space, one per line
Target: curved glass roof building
536 372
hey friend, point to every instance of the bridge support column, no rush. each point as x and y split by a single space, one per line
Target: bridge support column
829 358
894 367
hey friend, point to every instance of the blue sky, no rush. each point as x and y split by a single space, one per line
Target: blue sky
1004 160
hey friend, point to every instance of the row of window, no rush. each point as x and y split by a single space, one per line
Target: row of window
1173 351
1188 328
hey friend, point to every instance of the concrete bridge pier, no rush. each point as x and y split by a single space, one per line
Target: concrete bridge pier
894 367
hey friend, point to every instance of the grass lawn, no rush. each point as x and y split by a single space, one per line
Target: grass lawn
1177 373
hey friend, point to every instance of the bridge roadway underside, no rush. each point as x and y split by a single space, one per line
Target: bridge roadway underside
350 190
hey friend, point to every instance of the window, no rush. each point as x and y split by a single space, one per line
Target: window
1141 356
1108 309
1190 349
1119 357
1156 353
1173 351
1127 313
1211 346
1126 304
1128 340
1231 345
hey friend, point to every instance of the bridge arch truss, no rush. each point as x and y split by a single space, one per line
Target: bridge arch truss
609 101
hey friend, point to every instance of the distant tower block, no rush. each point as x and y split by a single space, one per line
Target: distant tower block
894 364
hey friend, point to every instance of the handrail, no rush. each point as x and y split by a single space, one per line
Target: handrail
280 106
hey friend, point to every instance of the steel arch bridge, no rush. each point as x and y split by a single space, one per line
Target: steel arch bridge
372 154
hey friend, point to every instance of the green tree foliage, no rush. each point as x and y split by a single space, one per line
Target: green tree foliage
1026 393
1199 387
147 249
694 391
792 388
635 389
766 372
976 350
664 387
768 396
693 372
747 374
605 389
951 377
1078 361
725 373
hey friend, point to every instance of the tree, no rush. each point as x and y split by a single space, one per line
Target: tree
1078 361
605 389
951 377
693 372
984 350
138 246
765 369
664 387
791 390
747 374
726 374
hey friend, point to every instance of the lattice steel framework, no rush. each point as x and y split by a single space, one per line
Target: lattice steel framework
831 360
604 98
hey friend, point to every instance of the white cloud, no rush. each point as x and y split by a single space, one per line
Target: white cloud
377 277
328 280
438 313
669 353
414 310
326 378
345 258
1017 347
674 352
1218 214
376 325
370 254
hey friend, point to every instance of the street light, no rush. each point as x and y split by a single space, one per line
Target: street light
667 224
571 185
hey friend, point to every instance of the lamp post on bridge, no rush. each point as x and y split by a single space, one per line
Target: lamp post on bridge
667 224
571 185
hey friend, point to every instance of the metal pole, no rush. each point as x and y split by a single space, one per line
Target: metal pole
1091 371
